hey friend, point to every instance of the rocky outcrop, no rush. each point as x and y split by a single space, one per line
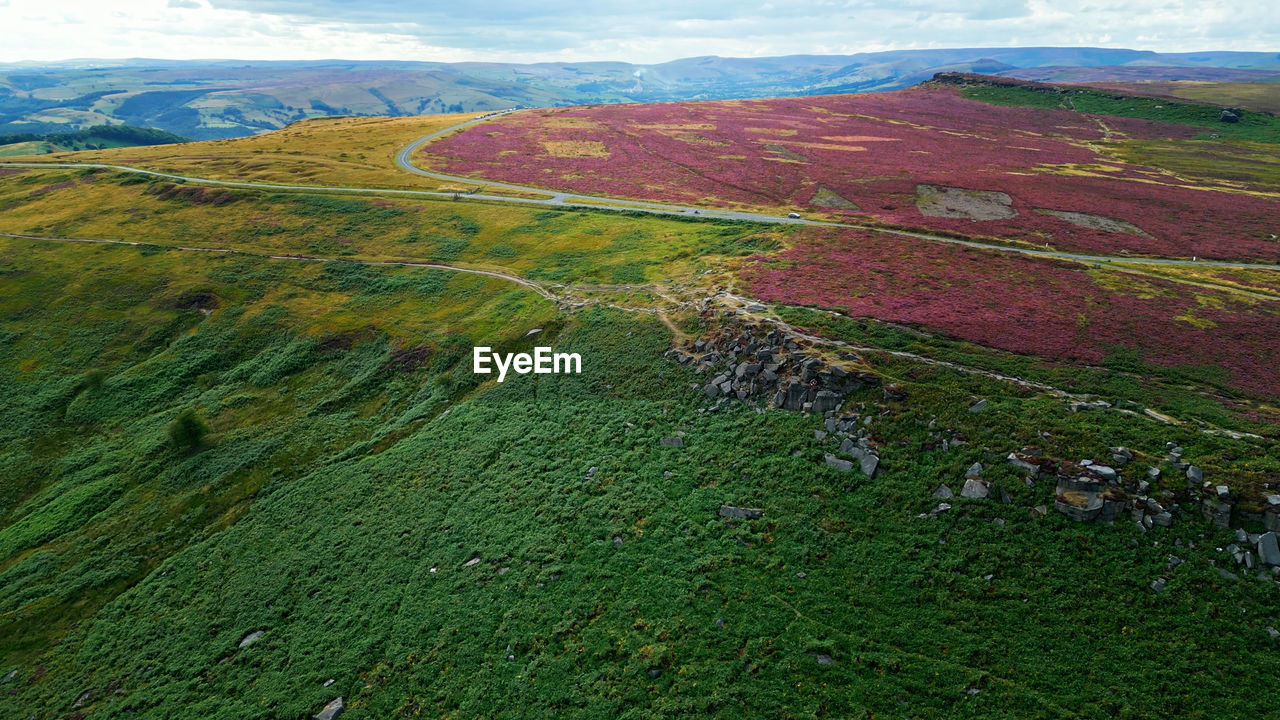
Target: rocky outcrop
757 362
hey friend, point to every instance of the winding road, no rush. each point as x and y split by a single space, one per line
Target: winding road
403 160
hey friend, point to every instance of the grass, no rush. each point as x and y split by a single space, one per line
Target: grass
334 506
1238 162
583 246
353 467
1253 125
339 151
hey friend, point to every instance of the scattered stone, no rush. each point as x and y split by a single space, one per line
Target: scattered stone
673 441
730 511
1163 519
1272 633
471 563
819 435
330 711
1106 473
1223 492
1195 474
942 493
837 463
823 659
974 488
978 405
974 470
1040 511
1228 116
654 673
617 541
327 683
250 639
1153 473
1022 464
1269 550
1159 584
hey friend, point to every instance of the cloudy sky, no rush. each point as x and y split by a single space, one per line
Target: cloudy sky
641 31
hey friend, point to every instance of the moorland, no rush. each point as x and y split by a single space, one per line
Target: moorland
247 469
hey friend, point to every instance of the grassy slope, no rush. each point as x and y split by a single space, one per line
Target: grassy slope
348 151
332 485
545 244
1256 126
362 488
103 346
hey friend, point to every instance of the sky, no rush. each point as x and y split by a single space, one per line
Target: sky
638 31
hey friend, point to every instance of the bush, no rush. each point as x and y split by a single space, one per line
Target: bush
188 429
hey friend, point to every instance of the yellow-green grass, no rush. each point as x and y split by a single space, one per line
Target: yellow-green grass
34 147
89 280
1263 96
133 316
554 245
346 151
1236 163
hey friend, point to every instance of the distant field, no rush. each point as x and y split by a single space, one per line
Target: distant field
924 158
1261 96
326 151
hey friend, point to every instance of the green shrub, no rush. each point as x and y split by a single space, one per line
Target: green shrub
187 430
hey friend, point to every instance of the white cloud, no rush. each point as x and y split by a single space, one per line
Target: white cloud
654 31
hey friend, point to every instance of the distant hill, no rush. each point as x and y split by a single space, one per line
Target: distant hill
98 137
231 98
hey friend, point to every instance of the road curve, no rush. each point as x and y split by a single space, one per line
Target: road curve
590 202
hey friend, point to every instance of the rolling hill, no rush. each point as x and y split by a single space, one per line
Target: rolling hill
892 457
220 99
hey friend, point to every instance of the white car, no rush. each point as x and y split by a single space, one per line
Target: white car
794 216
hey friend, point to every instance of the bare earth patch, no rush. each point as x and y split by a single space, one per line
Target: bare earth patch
785 153
1095 222
963 203
828 198
575 148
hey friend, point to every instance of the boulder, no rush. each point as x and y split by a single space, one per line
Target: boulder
250 639
1195 475
837 463
978 405
729 511
1022 464
943 493
673 441
1269 550
1228 116
826 400
974 488
330 711
1105 472
974 470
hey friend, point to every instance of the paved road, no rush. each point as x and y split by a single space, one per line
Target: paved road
590 202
